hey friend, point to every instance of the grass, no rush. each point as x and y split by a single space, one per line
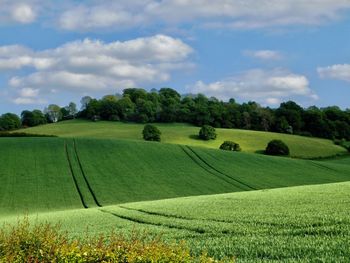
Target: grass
43 174
34 176
204 196
297 224
250 141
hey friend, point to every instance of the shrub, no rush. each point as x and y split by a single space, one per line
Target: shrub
23 134
230 146
207 133
151 133
47 243
9 121
277 147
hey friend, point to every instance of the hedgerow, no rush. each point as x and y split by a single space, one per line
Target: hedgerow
23 134
47 243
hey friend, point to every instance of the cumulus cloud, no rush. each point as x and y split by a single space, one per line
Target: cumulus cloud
17 11
94 66
340 72
263 86
263 54
220 13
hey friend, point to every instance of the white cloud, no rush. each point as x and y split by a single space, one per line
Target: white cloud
94 66
267 87
23 13
245 14
340 72
19 11
263 54
94 15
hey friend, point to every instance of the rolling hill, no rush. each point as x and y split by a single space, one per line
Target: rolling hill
250 141
47 174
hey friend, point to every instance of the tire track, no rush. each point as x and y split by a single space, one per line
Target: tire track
143 222
211 169
84 176
73 176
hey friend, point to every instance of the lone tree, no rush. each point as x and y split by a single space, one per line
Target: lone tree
151 133
207 133
277 147
230 146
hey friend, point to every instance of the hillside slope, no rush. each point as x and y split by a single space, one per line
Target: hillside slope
250 141
45 174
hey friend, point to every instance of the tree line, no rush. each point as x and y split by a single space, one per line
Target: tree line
167 105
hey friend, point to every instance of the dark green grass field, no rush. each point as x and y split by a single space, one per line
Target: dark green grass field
219 201
41 174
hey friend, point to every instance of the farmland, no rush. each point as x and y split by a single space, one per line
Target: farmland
221 202
307 223
250 141
42 174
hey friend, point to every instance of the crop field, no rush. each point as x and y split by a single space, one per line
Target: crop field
218 201
34 176
42 174
304 224
250 141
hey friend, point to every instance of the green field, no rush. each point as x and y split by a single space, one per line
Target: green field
297 224
42 174
250 141
218 201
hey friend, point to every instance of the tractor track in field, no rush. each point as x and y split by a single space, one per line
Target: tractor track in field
211 169
84 175
143 222
73 176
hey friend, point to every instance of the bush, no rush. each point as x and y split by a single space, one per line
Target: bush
230 146
47 243
9 121
151 133
277 147
207 133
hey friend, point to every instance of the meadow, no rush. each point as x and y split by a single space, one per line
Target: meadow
185 134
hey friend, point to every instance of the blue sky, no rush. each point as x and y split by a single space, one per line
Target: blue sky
264 50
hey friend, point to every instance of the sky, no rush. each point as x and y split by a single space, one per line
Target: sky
269 51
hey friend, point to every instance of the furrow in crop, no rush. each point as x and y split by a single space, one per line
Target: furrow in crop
143 222
211 169
84 176
200 164
73 176
317 164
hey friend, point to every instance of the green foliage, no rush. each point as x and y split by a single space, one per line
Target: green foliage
168 106
9 121
151 133
32 118
277 147
230 146
207 133
48 243
53 113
